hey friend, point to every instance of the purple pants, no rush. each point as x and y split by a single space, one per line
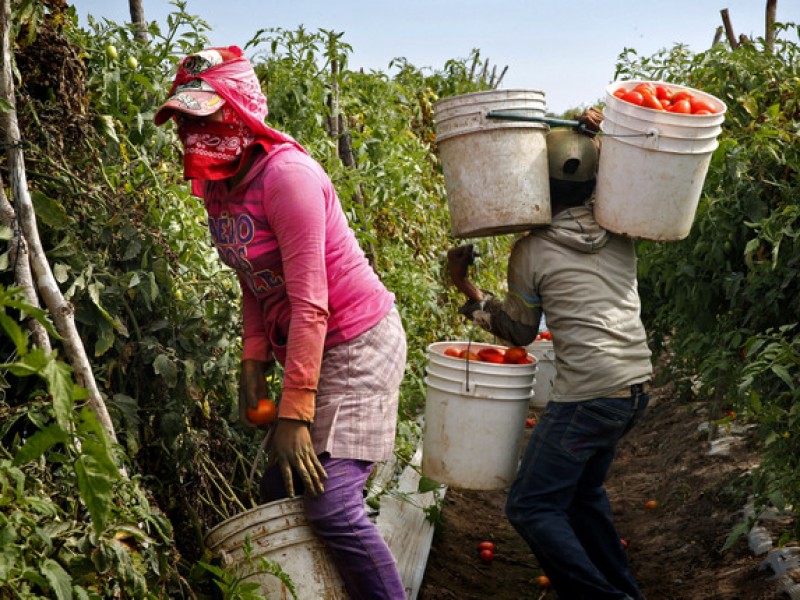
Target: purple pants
339 518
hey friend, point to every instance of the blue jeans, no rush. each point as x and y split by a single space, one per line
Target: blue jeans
558 503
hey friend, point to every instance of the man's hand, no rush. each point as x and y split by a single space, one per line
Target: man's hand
291 448
591 119
458 261
252 387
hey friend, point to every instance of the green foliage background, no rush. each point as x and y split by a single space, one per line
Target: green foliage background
160 315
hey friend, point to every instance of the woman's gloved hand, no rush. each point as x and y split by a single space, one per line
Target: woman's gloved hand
252 387
291 448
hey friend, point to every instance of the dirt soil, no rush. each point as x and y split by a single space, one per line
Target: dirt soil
674 550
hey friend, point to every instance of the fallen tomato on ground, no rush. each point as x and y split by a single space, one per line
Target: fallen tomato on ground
487 556
650 505
530 423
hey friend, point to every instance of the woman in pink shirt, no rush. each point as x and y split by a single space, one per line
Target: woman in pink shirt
310 300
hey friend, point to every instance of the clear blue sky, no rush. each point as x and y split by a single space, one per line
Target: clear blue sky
567 48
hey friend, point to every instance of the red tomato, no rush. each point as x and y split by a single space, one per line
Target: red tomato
645 88
650 101
264 413
530 423
682 107
527 360
650 505
486 354
546 335
666 104
497 359
468 355
620 92
682 95
486 546
702 112
487 556
543 581
698 104
515 354
633 98
452 352
663 92
624 543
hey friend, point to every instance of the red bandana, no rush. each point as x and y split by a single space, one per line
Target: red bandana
212 149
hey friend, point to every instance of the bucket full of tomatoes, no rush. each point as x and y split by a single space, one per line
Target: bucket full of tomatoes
658 139
477 399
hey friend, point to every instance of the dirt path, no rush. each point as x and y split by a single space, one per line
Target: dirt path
674 550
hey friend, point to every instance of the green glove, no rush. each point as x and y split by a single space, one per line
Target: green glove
291 448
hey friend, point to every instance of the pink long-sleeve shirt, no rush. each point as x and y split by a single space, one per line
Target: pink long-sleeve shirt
306 284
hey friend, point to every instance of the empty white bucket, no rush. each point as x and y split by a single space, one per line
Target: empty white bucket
279 532
545 357
474 418
653 165
495 170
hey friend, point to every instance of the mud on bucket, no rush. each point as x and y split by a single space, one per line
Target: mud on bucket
653 165
279 532
495 171
474 418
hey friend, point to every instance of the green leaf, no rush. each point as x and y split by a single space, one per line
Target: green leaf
15 332
62 388
105 338
50 211
39 443
738 531
784 375
58 579
166 368
95 488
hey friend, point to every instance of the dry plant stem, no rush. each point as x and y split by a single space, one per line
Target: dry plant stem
23 277
61 310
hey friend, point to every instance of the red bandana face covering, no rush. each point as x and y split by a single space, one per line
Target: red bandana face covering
212 149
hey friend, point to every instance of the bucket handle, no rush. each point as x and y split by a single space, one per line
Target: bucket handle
552 122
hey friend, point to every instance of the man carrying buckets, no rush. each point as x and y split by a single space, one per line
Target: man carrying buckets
584 278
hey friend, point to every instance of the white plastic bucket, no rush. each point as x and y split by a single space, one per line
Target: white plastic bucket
653 165
495 170
545 372
279 532
474 418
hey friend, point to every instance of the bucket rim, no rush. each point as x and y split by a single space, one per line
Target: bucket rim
489 93
295 505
